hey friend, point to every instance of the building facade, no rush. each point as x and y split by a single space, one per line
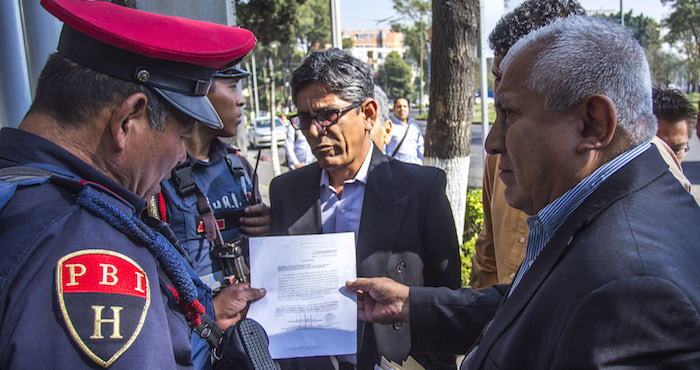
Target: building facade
373 46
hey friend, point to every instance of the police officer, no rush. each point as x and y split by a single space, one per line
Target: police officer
215 170
83 282
215 174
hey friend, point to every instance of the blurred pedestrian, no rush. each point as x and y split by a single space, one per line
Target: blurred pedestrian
381 131
677 119
406 142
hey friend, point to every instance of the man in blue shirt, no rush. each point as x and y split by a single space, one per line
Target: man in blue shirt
406 142
609 277
399 212
297 149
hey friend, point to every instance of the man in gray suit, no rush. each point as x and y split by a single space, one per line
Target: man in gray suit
610 276
399 212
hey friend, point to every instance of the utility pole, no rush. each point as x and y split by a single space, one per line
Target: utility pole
336 39
622 14
255 85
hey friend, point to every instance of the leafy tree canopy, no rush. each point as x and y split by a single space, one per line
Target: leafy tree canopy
644 29
314 24
395 76
684 19
270 20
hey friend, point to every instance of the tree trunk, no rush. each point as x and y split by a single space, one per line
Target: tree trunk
273 144
455 26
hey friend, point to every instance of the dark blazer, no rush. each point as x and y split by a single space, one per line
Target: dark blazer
406 232
618 285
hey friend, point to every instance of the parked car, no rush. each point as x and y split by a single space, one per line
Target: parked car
260 136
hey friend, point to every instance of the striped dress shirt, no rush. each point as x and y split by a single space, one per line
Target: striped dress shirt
545 223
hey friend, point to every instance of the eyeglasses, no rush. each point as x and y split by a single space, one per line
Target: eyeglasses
324 118
682 151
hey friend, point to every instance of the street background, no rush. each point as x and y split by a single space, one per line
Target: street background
691 164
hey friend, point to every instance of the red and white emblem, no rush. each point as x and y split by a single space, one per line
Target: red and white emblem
104 298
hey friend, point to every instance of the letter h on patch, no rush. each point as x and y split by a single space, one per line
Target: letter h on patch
104 297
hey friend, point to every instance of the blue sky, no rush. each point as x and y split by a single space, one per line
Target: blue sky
365 14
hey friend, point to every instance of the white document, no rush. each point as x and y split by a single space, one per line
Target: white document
307 310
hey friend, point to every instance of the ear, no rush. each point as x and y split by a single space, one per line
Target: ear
598 124
388 126
369 110
126 116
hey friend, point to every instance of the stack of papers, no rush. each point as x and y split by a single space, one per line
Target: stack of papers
408 364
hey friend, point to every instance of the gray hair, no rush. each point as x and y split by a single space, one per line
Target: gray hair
338 73
581 56
73 95
382 104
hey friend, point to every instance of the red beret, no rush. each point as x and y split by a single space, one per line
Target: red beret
176 57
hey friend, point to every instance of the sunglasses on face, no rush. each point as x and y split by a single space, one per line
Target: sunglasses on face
324 118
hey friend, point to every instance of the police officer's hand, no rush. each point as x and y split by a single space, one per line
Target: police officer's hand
256 220
231 304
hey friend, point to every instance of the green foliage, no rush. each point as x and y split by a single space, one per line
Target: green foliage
466 252
270 20
414 35
314 24
472 227
665 67
347 43
394 76
684 28
477 112
475 213
644 29
413 19
683 20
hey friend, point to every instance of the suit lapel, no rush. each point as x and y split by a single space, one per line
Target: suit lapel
308 221
380 222
635 175
382 210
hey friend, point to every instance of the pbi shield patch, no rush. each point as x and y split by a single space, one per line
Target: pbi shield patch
104 298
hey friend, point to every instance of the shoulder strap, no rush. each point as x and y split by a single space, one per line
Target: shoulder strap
20 174
408 125
234 162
